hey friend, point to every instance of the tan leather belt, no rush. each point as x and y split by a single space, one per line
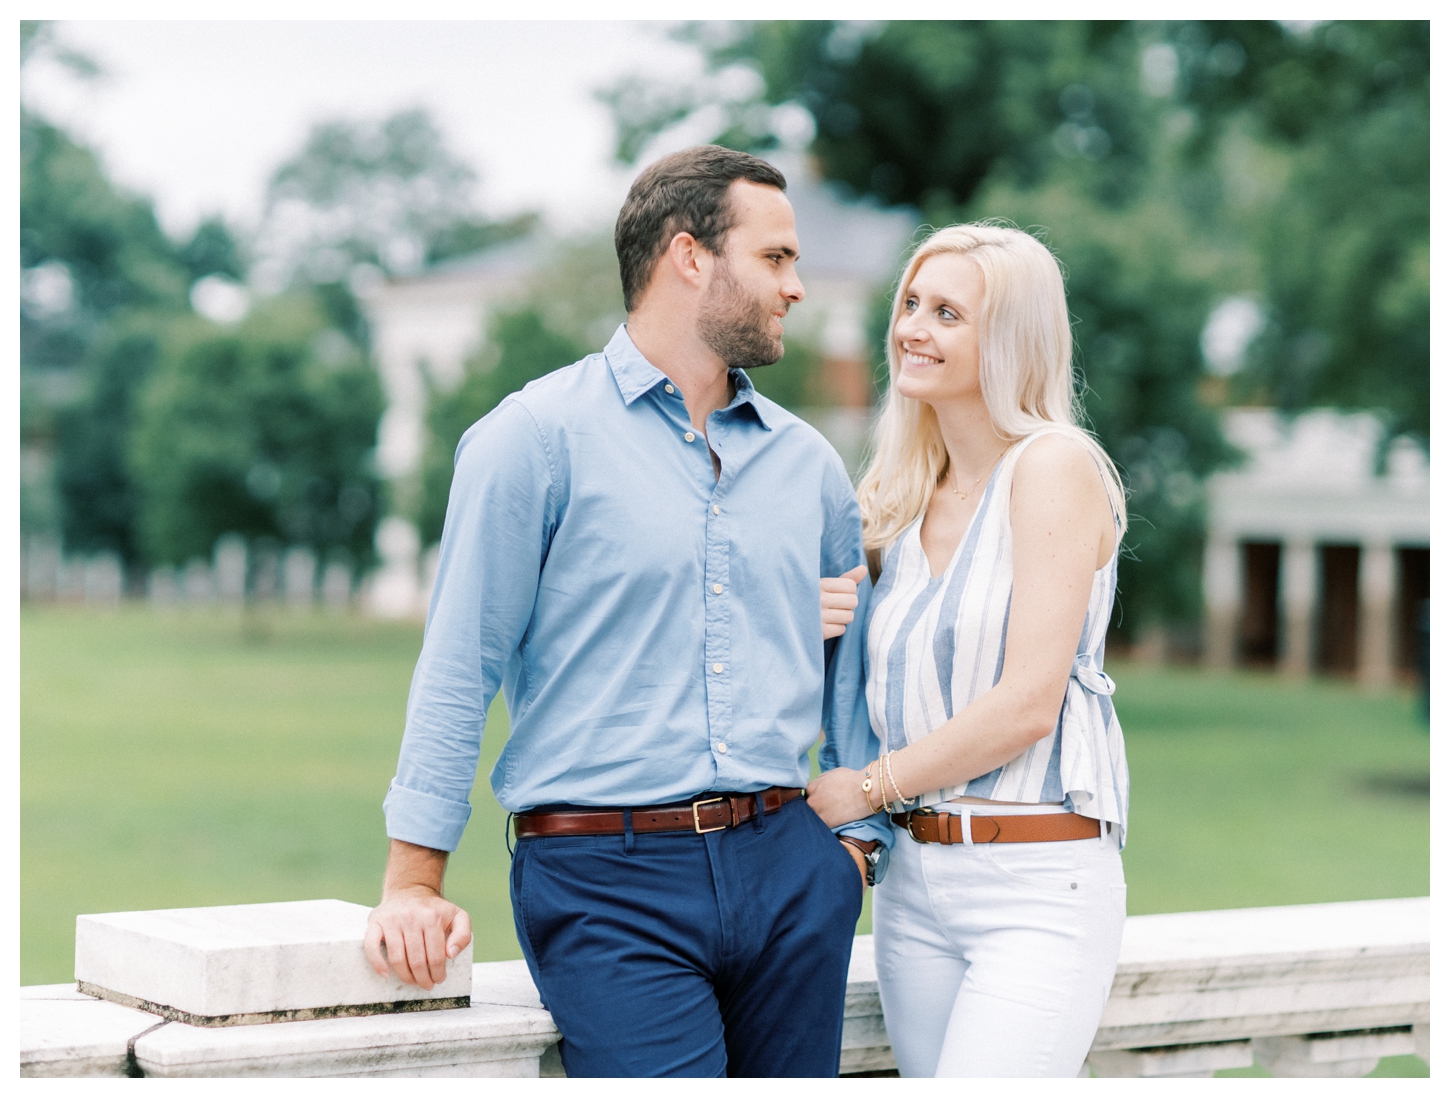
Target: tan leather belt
701 816
926 826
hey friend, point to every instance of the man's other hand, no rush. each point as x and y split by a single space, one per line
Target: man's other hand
838 601
415 931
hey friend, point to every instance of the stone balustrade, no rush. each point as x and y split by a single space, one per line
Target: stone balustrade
1309 990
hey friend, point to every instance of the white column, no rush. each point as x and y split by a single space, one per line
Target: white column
1222 595
1376 613
1298 572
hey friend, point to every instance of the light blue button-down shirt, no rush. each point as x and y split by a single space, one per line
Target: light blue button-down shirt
656 631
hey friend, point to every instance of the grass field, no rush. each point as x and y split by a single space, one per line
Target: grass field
191 758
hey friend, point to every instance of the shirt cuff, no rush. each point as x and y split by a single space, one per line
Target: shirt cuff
423 819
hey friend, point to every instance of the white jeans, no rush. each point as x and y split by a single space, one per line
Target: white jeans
995 960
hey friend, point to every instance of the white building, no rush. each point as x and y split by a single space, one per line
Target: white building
1313 561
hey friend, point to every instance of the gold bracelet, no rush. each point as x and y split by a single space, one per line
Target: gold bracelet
866 792
892 779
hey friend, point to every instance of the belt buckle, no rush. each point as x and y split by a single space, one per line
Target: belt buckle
927 813
695 811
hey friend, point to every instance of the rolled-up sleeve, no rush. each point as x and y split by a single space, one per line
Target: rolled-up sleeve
501 513
849 738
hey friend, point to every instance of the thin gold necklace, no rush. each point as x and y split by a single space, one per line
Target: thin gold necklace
952 480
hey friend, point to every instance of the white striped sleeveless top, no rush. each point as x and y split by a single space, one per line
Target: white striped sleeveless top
934 645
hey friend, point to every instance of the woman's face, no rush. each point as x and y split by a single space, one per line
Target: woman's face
936 331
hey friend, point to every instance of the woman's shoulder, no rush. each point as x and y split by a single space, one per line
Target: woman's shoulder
1051 457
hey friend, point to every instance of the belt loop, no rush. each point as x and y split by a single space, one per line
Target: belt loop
1102 830
759 812
629 831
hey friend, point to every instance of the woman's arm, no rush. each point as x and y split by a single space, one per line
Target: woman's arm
1062 530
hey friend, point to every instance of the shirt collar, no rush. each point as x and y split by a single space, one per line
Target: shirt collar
635 376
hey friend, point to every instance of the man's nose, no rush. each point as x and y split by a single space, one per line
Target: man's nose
793 291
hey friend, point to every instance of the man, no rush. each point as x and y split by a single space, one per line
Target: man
631 551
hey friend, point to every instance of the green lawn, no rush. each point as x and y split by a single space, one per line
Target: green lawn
189 758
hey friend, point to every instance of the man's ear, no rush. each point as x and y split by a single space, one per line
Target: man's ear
689 260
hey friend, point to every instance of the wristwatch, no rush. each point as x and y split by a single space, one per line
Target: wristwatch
873 851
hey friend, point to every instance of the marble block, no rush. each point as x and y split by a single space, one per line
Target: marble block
1196 977
65 1033
504 1033
1172 1061
249 963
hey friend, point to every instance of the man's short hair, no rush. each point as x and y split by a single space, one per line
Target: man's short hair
683 192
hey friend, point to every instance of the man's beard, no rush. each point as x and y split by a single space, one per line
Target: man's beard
735 327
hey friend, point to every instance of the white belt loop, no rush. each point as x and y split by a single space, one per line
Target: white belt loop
1103 830
967 825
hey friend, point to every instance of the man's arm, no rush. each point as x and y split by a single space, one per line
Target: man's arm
495 536
849 738
414 930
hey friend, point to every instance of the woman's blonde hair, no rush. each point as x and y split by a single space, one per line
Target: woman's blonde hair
1025 348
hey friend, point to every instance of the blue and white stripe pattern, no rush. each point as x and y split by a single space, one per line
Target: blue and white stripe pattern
935 645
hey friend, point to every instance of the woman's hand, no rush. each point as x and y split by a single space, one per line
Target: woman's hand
837 796
838 601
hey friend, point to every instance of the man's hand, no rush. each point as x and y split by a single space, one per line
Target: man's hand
414 931
838 601
837 797
860 860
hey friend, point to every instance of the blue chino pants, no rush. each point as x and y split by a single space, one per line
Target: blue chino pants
677 954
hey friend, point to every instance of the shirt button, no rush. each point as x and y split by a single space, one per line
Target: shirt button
718 589
724 749
689 436
669 388
719 667
716 508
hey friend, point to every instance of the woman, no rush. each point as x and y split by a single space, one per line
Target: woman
993 522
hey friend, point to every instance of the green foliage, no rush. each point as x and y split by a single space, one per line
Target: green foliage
263 430
213 250
520 347
104 244
98 498
1345 241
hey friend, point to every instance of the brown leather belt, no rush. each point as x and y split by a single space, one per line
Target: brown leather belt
926 826
701 816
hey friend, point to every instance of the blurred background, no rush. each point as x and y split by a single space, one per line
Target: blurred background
271 271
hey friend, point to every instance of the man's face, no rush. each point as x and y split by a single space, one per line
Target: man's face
753 284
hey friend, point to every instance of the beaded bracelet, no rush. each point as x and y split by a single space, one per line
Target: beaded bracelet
892 778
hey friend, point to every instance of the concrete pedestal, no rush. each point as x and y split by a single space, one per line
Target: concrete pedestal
246 964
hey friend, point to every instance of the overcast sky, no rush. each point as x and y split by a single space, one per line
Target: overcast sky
197 114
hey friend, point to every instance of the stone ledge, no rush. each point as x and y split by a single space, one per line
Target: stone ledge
1315 990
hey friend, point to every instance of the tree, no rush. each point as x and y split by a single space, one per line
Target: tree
265 430
1345 238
